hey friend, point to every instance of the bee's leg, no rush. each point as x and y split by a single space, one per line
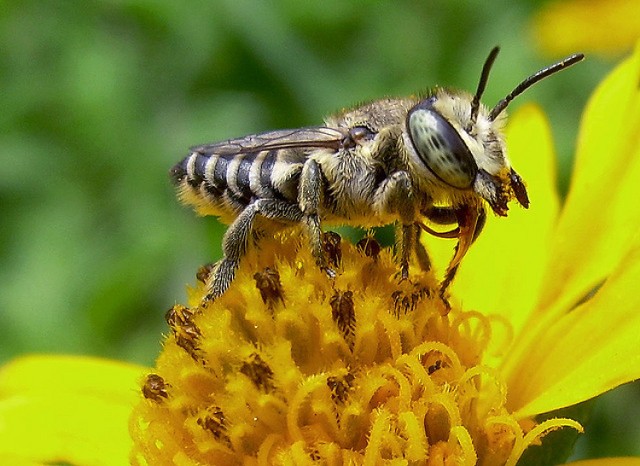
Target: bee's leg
234 246
450 216
482 220
407 241
471 221
234 243
395 195
441 215
311 186
421 253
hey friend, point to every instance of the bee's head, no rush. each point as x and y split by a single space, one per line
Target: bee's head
460 141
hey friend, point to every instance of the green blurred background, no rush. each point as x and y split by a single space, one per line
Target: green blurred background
100 99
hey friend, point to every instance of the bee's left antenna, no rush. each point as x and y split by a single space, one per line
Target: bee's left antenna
482 84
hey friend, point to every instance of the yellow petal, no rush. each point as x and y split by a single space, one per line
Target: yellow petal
503 271
67 409
583 353
608 462
18 461
610 26
601 213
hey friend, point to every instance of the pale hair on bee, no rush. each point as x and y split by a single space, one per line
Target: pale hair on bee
438 159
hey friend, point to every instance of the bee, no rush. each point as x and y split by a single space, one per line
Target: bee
439 159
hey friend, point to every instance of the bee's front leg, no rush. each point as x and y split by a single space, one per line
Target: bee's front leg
470 220
311 186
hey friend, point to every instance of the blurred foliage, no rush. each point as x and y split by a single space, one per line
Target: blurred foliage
101 98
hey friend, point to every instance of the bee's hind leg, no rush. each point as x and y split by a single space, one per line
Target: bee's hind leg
234 246
234 243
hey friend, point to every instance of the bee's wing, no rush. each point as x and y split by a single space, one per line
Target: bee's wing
311 137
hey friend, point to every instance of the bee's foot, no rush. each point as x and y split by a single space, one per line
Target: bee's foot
405 301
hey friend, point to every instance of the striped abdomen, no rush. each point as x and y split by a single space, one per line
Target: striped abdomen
219 184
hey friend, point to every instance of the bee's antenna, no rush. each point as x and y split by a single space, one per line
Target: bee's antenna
531 80
484 77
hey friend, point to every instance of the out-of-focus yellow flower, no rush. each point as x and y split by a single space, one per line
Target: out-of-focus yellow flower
289 367
591 26
66 409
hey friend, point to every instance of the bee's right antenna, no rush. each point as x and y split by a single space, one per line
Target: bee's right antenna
531 80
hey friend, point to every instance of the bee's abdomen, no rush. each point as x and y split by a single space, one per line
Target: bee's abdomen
231 182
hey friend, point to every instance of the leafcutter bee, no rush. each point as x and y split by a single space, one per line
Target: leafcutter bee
438 159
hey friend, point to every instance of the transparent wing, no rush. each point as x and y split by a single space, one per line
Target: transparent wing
311 137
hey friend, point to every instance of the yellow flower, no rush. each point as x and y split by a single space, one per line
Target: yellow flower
289 367
591 26
66 409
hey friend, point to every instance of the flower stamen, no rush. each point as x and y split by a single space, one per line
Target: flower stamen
292 367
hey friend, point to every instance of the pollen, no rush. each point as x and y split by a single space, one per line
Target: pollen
290 366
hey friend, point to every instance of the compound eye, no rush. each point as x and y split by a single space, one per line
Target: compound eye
440 147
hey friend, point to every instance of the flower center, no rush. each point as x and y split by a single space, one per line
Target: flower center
291 367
